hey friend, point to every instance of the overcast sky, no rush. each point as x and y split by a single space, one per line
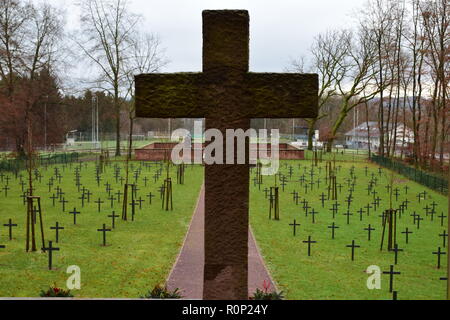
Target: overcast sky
279 30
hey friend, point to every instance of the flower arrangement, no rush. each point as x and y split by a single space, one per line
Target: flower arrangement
265 294
161 292
54 291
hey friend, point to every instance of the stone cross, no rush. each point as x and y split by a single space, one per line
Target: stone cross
228 96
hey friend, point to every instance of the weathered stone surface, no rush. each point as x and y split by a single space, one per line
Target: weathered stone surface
227 95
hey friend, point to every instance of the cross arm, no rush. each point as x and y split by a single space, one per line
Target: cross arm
282 95
175 95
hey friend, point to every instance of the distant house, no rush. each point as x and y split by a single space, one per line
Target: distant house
365 133
301 137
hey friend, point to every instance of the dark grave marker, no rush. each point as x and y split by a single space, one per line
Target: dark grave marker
113 217
391 274
439 253
99 204
360 212
133 205
294 225
57 228
309 242
348 214
322 198
112 199
396 250
407 233
313 214
63 201
417 220
150 196
369 230
10 225
333 227
444 236
74 213
140 200
6 188
82 197
353 246
50 250
104 230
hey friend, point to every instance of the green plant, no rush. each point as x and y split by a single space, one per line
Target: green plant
160 292
56 292
265 294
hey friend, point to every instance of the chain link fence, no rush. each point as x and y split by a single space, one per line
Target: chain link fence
15 165
429 180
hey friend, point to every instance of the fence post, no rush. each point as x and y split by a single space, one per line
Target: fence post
448 239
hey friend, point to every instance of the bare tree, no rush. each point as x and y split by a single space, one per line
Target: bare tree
145 56
328 52
435 15
355 79
13 17
28 38
107 31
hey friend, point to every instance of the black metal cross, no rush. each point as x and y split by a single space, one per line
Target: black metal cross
118 194
10 225
407 233
104 230
391 274
348 214
112 199
333 227
369 230
113 216
50 250
360 211
418 219
57 228
396 251
99 203
444 236
140 202
439 253
309 242
82 199
75 213
353 246
6 188
442 217
322 198
294 225
63 201
313 213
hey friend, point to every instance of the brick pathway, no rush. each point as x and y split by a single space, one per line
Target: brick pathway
187 272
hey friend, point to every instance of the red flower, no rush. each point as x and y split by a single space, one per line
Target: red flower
56 290
266 286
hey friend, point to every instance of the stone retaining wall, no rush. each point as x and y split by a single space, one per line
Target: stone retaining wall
158 151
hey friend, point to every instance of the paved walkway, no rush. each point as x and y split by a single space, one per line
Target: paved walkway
187 272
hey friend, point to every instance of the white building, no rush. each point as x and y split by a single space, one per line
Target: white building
365 133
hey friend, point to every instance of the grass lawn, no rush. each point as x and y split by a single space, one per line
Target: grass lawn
139 254
109 144
329 272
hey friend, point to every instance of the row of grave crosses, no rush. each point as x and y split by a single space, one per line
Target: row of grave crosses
86 196
388 217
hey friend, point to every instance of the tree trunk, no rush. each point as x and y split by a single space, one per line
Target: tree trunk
337 124
311 132
117 109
